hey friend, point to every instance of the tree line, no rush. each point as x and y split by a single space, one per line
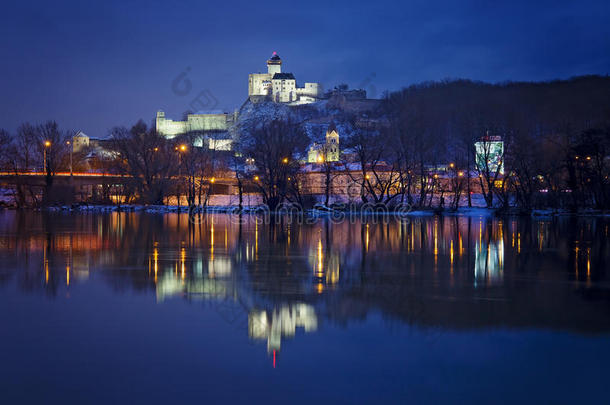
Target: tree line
416 147
555 136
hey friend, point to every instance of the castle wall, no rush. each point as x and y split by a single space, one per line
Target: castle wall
195 122
206 122
259 84
310 89
170 128
284 90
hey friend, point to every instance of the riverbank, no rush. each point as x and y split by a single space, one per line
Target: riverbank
323 211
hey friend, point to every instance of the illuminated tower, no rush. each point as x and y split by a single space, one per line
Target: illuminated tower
274 64
332 143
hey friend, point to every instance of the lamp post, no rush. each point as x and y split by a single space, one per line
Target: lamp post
45 166
180 149
71 150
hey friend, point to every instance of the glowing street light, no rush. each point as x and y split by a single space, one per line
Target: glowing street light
47 144
71 150
182 147
285 160
255 178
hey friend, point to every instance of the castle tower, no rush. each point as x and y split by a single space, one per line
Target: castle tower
274 64
332 143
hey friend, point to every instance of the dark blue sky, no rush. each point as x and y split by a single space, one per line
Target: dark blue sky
93 66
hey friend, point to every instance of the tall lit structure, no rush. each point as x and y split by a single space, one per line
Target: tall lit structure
327 152
280 87
490 154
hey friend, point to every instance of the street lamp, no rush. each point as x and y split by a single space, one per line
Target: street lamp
181 148
71 149
47 144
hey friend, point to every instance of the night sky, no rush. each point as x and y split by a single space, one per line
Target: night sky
93 66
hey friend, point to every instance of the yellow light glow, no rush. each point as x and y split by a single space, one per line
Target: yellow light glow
47 143
285 160
320 271
451 252
460 174
255 178
182 259
182 147
212 241
212 180
435 241
156 262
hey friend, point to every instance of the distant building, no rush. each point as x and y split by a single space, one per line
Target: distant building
328 151
213 128
349 94
80 142
92 147
490 154
281 87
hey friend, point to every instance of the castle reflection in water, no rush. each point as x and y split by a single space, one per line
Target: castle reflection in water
274 280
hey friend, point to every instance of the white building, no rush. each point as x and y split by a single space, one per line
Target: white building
281 87
213 128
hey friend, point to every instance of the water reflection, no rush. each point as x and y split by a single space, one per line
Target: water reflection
280 322
449 273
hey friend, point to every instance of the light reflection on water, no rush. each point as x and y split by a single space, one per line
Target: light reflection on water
273 282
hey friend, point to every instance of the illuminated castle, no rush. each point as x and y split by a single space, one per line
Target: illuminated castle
280 87
214 127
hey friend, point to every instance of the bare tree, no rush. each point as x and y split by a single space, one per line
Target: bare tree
51 144
148 158
275 147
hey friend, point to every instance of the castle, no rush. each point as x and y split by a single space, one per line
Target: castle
281 87
214 128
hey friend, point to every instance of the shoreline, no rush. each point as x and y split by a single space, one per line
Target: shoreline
326 212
